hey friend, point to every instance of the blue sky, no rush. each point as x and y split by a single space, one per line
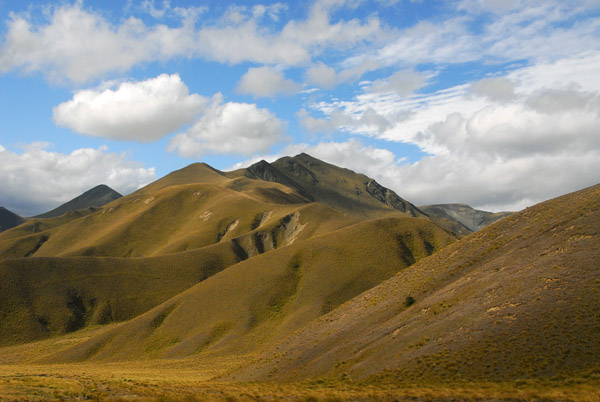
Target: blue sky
488 102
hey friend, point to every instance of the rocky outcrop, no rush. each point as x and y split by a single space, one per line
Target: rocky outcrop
391 199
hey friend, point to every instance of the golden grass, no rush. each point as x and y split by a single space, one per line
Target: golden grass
250 304
191 380
516 300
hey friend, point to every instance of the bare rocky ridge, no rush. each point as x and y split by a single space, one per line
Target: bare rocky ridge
472 219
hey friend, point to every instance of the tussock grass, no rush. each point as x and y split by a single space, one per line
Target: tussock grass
517 301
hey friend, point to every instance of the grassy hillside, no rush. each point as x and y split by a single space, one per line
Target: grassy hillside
518 300
265 298
77 270
172 219
44 297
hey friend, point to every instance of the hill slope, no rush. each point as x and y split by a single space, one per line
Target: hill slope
265 298
518 299
44 297
59 274
198 206
472 219
9 219
95 197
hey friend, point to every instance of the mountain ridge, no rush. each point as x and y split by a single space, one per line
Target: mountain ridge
463 214
9 219
97 196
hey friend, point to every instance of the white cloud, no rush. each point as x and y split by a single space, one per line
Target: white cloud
321 75
271 10
402 82
369 122
266 82
541 140
78 45
73 43
142 111
37 180
229 128
535 31
499 89
324 76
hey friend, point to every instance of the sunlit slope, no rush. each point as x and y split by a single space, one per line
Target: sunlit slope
172 219
198 206
43 297
518 299
267 297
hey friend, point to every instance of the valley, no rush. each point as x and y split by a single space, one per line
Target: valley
300 280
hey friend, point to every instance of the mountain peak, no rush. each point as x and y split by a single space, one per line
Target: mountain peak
94 197
9 219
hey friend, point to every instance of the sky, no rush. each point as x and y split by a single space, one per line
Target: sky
493 103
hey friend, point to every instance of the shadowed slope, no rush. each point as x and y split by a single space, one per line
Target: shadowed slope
463 215
267 297
96 197
518 299
9 219
342 189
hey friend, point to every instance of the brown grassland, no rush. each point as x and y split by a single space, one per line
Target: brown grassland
298 280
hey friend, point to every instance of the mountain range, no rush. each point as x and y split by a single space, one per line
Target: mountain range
299 270
95 197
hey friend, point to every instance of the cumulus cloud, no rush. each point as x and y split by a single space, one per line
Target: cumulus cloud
78 45
142 111
73 43
495 88
229 128
524 138
266 82
37 180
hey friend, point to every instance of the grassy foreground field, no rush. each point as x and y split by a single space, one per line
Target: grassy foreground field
190 380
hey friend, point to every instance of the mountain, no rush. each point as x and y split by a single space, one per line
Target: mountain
463 216
198 222
299 271
341 189
267 297
95 197
9 219
516 300
199 206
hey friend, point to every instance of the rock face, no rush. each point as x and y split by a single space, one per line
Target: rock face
9 219
389 198
472 219
96 197
339 188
